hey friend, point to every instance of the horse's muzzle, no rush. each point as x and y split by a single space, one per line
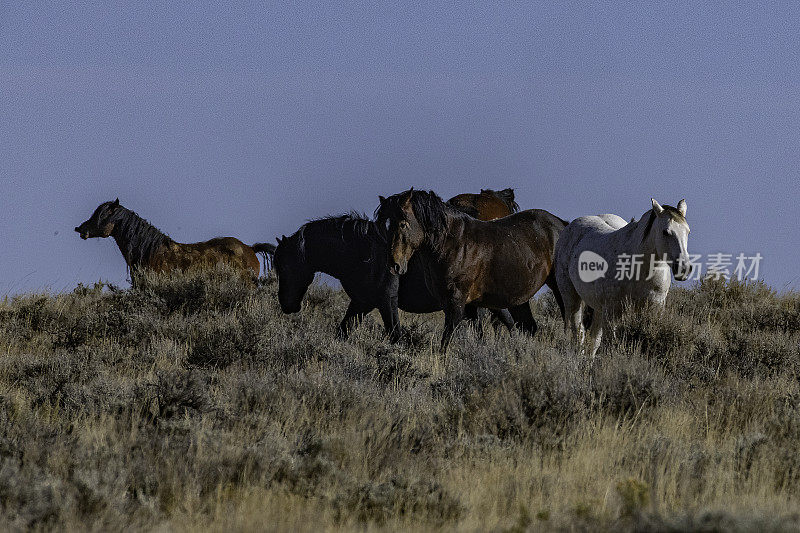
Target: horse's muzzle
84 235
397 269
290 304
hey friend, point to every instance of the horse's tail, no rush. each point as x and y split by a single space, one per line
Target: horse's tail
267 251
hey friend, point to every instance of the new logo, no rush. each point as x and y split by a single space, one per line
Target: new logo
591 266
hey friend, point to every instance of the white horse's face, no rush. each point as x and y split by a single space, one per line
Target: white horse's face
671 235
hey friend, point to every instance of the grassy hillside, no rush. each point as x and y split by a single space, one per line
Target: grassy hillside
195 403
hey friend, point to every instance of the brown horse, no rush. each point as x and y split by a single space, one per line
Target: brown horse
488 205
145 247
497 264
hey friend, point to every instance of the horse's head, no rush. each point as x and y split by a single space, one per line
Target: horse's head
405 232
506 196
294 274
101 223
670 233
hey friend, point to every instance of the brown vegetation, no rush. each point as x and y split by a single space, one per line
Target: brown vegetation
193 402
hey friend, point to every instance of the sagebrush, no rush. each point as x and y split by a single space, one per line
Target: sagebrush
192 402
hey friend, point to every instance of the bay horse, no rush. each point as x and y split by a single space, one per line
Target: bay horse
487 205
145 247
497 264
634 262
354 250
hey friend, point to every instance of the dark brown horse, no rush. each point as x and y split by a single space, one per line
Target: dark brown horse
488 205
354 250
145 247
498 264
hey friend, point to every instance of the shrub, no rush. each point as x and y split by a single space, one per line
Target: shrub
193 399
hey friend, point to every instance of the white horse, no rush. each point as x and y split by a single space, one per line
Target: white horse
603 261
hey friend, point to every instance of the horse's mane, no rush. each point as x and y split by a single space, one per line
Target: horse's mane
354 223
507 196
670 211
349 225
651 217
138 239
468 207
429 209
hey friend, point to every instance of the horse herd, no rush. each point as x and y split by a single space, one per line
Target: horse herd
422 254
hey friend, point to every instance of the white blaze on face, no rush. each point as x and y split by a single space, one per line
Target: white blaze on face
682 232
591 266
682 235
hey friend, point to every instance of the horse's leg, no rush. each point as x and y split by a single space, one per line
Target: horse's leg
553 285
352 318
391 319
524 318
588 314
502 318
471 313
595 335
586 318
388 309
573 304
453 315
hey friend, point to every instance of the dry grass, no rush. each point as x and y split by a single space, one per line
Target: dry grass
194 404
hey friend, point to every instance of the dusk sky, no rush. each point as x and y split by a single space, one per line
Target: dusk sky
249 119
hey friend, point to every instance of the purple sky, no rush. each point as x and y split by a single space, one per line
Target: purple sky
248 120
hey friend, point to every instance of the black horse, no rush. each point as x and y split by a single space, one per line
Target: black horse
355 250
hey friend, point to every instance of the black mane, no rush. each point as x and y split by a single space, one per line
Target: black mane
350 227
429 209
137 238
353 223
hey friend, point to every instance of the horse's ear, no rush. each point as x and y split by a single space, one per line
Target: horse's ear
116 202
657 209
407 197
682 207
381 199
